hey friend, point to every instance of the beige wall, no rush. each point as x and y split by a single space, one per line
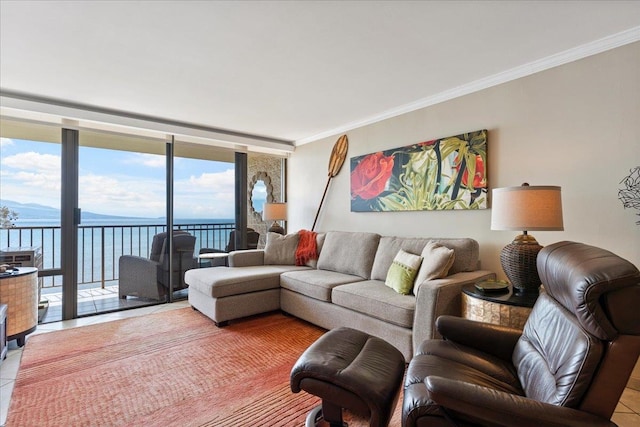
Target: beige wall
576 126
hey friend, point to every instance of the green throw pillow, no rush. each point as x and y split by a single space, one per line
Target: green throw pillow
402 272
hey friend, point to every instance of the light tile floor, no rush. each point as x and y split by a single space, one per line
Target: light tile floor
93 300
627 413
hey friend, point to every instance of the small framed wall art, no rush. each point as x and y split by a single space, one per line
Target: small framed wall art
441 174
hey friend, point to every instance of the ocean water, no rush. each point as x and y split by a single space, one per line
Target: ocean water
102 241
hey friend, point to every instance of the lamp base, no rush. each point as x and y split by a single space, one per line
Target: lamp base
276 228
518 261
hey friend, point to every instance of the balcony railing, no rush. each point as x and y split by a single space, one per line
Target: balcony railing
100 246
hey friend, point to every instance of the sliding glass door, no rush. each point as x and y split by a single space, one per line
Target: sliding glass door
122 200
204 197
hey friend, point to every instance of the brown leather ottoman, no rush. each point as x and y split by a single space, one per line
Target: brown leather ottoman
350 369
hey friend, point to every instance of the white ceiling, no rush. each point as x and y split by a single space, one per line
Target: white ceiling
291 70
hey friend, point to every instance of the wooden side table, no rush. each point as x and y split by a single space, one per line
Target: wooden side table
19 290
500 308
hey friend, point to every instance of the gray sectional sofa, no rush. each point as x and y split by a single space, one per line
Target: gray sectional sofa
345 288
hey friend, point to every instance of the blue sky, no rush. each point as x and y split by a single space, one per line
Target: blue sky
117 182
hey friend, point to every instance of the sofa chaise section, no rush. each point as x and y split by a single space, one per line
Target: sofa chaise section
227 293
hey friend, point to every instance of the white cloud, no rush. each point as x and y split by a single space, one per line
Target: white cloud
108 195
5 142
149 160
42 181
31 177
32 161
218 181
210 195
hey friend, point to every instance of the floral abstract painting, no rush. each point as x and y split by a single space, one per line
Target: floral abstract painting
441 174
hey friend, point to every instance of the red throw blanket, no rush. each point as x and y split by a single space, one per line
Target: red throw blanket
307 247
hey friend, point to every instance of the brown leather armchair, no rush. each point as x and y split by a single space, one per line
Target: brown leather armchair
568 367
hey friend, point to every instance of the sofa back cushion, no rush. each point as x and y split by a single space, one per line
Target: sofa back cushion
466 253
349 253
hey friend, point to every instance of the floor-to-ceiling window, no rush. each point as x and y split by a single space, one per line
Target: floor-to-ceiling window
123 184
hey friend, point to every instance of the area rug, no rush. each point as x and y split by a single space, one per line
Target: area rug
173 368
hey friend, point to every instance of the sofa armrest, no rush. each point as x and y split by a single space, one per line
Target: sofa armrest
246 258
438 297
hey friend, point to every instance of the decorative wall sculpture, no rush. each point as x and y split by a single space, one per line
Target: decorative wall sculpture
271 167
441 174
630 194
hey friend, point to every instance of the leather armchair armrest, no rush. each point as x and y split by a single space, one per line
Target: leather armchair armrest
496 340
492 407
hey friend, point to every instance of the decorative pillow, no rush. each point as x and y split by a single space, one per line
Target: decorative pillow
402 272
281 250
437 260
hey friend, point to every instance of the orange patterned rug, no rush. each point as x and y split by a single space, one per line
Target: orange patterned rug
174 368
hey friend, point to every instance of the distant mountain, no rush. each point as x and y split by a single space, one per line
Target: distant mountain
31 210
36 211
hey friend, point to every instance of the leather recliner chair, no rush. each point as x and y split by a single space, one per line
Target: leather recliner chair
568 367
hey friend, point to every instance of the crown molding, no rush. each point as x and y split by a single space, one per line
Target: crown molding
598 46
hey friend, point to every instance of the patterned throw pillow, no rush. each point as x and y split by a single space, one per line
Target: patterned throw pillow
437 260
402 272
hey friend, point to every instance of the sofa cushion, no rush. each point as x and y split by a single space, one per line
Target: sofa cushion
315 283
220 282
349 252
467 253
436 263
281 250
403 272
373 298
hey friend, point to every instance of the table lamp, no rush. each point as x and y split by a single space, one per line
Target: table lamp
275 212
526 208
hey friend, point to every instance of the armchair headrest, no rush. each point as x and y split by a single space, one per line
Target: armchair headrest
601 289
157 245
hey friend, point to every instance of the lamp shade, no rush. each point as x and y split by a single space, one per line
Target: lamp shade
527 208
274 211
